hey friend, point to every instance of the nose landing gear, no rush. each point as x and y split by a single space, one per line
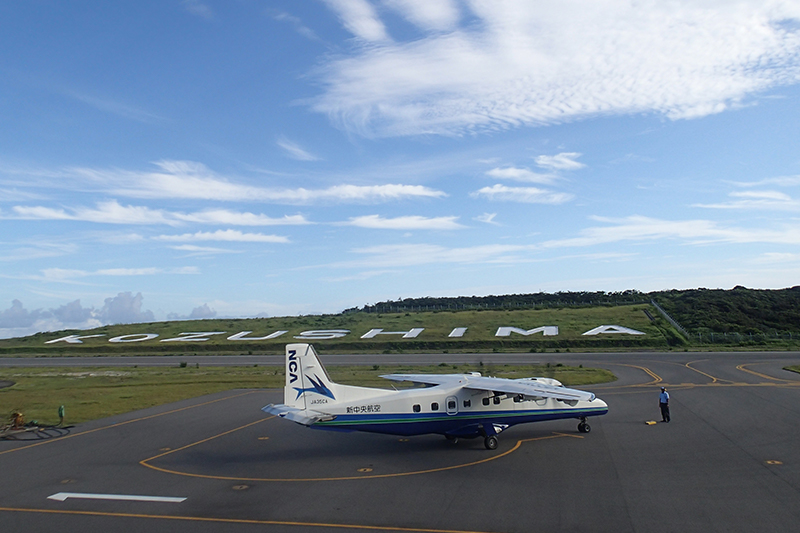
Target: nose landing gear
583 427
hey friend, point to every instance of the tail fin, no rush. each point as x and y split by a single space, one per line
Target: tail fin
305 374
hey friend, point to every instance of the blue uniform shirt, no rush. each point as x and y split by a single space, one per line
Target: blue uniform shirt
663 397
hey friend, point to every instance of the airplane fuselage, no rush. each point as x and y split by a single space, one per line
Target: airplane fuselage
454 405
456 412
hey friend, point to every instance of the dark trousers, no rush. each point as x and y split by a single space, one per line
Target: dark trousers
664 411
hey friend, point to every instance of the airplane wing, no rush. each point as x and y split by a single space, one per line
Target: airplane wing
306 417
525 387
429 379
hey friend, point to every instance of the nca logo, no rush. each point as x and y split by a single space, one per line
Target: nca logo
292 366
317 386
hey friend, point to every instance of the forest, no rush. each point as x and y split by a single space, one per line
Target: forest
739 310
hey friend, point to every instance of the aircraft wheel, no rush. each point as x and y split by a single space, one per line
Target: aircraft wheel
490 442
583 427
452 439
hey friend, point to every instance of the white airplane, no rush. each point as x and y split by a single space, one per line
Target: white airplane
453 405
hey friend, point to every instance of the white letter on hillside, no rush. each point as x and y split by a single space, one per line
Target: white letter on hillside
74 339
612 329
194 337
322 334
411 334
133 337
457 332
243 336
547 331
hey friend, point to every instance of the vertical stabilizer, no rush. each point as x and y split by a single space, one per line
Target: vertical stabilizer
305 376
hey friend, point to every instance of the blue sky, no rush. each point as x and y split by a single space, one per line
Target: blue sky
165 159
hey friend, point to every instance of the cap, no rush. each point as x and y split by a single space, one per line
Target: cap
663 388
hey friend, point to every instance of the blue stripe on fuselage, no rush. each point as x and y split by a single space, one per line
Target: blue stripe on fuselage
408 424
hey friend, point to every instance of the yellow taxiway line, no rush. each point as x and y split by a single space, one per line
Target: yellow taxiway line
146 462
235 520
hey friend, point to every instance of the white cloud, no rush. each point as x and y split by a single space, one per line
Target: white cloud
640 228
195 7
516 62
194 250
630 229
235 218
15 195
488 218
191 180
362 193
436 15
62 274
223 235
776 196
360 19
521 174
562 161
405 223
760 195
528 195
360 276
109 212
203 311
117 108
198 313
777 258
38 250
294 150
780 181
298 25
769 200
398 255
124 308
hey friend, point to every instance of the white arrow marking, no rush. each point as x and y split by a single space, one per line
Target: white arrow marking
62 496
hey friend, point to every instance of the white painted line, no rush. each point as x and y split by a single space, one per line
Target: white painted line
62 496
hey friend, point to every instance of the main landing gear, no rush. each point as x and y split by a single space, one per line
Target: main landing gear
583 427
490 442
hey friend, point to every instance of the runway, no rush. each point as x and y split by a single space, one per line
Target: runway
728 461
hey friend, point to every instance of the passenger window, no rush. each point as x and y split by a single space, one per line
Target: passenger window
496 400
467 403
434 406
417 408
451 404
486 401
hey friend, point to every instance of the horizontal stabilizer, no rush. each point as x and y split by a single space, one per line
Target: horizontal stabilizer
306 417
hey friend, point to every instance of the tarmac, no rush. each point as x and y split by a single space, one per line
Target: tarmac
728 461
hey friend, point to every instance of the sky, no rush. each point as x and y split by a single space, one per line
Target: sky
173 159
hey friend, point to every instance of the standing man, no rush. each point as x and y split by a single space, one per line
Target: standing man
663 403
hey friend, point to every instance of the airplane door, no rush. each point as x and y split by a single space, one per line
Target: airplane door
452 405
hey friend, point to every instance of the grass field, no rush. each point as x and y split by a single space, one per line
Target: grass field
93 393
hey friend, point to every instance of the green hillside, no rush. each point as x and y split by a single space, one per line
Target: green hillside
739 310
701 319
480 334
